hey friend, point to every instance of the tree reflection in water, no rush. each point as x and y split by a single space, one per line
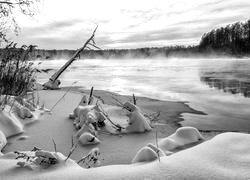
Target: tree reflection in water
227 84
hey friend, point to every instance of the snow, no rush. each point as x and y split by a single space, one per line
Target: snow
183 136
87 139
9 123
13 114
145 154
137 122
23 112
3 140
226 156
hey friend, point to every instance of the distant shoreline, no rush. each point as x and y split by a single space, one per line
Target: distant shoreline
139 53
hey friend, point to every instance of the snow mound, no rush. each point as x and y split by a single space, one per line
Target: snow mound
137 122
149 153
145 154
9 123
23 112
183 136
226 156
87 139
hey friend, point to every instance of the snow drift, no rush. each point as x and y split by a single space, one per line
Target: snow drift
183 136
226 156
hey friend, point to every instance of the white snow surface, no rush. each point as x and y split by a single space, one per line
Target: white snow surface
183 136
9 124
137 122
87 139
226 156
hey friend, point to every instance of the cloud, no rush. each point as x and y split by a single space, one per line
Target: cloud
129 23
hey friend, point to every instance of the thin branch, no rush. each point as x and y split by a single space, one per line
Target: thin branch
10 3
95 46
117 126
134 99
72 149
93 41
63 96
90 95
54 143
156 141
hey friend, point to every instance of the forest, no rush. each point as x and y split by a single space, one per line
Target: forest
233 39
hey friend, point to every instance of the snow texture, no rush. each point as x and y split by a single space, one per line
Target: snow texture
137 122
87 139
183 136
226 156
9 123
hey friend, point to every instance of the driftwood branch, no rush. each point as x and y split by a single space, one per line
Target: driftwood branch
117 126
55 76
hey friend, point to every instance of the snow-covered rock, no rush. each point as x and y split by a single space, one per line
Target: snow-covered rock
149 153
84 101
82 110
92 159
183 136
9 123
145 154
137 122
87 139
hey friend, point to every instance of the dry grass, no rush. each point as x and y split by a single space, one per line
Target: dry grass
17 74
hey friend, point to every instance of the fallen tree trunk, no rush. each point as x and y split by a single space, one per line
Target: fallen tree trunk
54 82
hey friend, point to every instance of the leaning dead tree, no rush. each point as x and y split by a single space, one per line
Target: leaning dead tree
54 82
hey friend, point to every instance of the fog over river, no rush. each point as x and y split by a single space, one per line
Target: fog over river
218 87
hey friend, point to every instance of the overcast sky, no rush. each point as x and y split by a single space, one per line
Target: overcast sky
65 24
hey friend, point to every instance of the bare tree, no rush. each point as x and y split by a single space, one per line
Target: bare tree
7 14
54 82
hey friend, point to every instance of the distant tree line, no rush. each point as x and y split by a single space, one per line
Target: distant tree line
117 53
232 39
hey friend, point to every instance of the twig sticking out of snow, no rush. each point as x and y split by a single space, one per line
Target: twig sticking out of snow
38 97
91 159
91 95
54 143
72 149
117 126
156 141
152 117
119 103
134 99
40 158
63 96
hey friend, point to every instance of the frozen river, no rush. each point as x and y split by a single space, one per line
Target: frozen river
218 87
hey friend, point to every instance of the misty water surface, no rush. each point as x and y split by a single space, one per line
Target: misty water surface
218 87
